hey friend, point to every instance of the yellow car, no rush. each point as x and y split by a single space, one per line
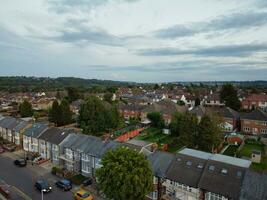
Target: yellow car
83 195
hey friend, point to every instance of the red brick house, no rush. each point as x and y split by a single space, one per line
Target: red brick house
255 101
254 122
131 111
166 107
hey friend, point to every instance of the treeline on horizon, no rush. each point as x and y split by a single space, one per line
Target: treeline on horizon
36 84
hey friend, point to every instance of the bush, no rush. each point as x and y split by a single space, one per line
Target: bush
77 179
56 171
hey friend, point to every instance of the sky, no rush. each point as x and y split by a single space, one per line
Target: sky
135 40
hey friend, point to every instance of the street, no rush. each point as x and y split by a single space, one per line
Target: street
22 180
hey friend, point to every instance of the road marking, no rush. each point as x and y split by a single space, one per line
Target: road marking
25 196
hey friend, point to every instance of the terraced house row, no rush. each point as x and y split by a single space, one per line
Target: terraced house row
187 175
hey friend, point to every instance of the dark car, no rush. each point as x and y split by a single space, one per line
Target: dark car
64 184
43 185
88 181
20 162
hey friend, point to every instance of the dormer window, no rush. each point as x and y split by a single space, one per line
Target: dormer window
200 165
224 171
211 168
189 163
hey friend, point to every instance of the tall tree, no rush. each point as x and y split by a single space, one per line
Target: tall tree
228 94
209 133
25 109
125 174
66 113
197 101
108 97
184 125
156 119
95 117
73 94
55 113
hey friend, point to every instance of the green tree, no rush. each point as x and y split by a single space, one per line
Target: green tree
73 94
209 133
184 126
25 109
197 101
228 94
96 118
156 119
55 114
125 174
108 97
66 114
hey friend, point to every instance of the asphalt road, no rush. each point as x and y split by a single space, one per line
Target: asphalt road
23 179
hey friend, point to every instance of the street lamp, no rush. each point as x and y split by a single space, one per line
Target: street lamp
42 192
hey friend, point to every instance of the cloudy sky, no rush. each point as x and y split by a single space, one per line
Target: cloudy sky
135 40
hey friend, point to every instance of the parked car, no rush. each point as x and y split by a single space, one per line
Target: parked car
2 150
9 147
20 162
83 195
88 181
43 185
64 184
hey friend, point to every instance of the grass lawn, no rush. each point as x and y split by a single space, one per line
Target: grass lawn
248 148
261 167
231 150
156 136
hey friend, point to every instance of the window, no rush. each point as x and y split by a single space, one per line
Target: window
189 163
213 196
85 167
200 165
264 131
224 171
211 168
247 129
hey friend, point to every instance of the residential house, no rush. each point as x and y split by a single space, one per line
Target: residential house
254 122
83 153
18 130
230 118
31 135
160 162
166 107
129 111
6 126
195 175
49 143
213 100
255 101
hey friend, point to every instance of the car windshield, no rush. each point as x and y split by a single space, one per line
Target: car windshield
85 195
44 184
65 182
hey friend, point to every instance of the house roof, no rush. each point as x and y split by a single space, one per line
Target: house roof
139 143
255 115
8 122
20 126
186 170
224 112
36 130
165 106
89 144
254 186
160 162
54 135
222 178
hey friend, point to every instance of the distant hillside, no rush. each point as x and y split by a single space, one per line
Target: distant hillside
28 84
